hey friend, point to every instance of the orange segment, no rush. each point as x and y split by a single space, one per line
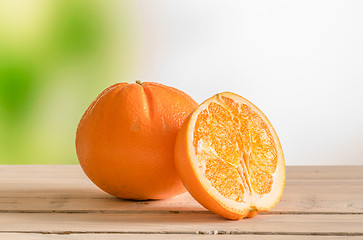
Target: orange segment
263 146
223 139
201 128
229 157
261 181
224 178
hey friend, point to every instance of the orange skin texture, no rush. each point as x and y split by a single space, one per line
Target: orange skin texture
125 140
195 188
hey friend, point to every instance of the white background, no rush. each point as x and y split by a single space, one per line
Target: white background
300 62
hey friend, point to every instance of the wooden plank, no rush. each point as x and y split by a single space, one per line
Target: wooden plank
198 223
80 189
297 203
114 236
65 188
51 180
300 196
324 172
71 171
75 172
61 203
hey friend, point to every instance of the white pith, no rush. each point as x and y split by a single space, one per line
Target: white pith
251 201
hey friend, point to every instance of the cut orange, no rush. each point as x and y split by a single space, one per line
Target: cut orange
229 157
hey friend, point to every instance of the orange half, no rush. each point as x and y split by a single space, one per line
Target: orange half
229 157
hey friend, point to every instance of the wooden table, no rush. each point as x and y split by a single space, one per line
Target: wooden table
59 202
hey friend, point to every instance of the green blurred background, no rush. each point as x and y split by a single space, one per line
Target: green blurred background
55 57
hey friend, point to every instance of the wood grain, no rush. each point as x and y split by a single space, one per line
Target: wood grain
75 172
324 172
49 188
59 202
291 203
116 236
198 223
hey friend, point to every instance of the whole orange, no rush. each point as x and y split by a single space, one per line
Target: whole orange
125 140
